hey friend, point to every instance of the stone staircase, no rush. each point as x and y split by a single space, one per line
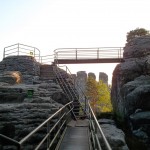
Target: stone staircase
46 72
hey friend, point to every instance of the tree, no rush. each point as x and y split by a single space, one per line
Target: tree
99 95
136 33
104 102
92 92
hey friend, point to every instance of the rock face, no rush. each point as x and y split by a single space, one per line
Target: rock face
26 65
131 84
104 77
115 136
91 74
80 83
21 111
20 114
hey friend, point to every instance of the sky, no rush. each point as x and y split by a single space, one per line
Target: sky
52 24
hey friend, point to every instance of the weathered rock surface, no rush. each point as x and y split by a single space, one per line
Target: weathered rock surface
131 83
91 74
26 65
104 77
115 136
20 112
80 83
11 77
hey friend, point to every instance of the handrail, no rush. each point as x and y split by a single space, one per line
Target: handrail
47 59
71 88
21 49
89 53
94 131
10 140
61 122
41 125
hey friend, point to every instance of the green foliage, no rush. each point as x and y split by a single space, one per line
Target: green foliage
136 33
99 95
104 101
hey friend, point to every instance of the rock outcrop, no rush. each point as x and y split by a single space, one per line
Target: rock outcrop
115 136
131 86
91 74
26 99
20 113
26 65
104 77
80 83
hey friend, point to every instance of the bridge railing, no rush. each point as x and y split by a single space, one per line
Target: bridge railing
59 127
21 49
89 53
96 132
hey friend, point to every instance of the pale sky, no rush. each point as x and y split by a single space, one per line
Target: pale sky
52 24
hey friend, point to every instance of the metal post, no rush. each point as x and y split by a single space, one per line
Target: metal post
34 52
98 53
48 138
76 54
18 49
85 103
4 53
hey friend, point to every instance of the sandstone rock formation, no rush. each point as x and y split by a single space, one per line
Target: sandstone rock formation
80 83
27 65
131 85
91 74
104 77
115 136
20 112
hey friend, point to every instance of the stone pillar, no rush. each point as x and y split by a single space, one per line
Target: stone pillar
80 83
104 77
91 74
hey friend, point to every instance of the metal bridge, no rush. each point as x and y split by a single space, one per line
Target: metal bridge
77 128
88 55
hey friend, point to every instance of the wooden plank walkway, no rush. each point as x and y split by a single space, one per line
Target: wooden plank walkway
76 136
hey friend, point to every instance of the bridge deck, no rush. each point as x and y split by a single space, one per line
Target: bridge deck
89 61
76 136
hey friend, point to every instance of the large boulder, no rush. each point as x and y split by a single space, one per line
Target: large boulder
115 136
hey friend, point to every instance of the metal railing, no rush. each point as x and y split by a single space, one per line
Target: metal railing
21 49
94 126
96 131
47 59
89 53
59 127
72 88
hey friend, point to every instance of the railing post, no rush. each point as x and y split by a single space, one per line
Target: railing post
85 103
76 54
18 49
98 53
4 53
34 52
48 138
